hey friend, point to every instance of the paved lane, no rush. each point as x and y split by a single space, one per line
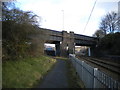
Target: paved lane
57 78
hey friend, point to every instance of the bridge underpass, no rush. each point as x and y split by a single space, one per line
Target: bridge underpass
82 50
65 42
55 47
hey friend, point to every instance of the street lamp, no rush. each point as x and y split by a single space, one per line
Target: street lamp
63 19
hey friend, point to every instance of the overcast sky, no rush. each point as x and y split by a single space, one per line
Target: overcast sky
76 13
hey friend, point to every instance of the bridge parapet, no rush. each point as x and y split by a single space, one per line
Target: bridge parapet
55 38
84 43
84 40
83 37
54 33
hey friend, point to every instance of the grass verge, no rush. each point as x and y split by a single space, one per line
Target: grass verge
25 73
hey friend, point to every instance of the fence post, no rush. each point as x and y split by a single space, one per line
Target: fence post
94 77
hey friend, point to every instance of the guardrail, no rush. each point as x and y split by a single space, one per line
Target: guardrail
92 77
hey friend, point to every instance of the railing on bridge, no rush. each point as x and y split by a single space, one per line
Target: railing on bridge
92 77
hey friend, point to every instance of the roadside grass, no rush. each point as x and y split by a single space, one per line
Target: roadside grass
26 73
73 78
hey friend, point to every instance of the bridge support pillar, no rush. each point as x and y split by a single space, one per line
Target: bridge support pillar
67 45
71 44
64 45
93 51
57 47
89 52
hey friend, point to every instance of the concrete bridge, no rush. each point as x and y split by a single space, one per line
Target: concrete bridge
65 42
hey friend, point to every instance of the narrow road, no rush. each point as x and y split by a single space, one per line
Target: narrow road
57 78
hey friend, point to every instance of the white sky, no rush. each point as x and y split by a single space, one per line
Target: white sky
76 13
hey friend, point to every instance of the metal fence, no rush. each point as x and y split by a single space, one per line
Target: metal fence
92 77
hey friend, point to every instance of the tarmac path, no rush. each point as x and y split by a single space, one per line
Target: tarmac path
57 77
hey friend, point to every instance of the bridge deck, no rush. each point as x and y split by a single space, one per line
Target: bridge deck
58 36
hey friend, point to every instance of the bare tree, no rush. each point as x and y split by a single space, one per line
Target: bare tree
103 25
110 23
99 33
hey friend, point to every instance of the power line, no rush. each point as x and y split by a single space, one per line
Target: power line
90 16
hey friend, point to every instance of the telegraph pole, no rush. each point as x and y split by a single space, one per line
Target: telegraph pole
63 19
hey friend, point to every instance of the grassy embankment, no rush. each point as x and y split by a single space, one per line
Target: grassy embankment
26 73
73 80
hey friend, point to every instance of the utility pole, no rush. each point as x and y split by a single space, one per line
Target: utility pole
63 18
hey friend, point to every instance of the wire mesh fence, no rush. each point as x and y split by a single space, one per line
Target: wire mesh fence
92 77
